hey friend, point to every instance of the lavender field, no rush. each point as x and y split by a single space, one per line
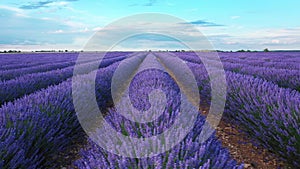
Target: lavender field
39 127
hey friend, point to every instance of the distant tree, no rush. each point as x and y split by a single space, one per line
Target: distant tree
66 50
266 50
248 50
242 50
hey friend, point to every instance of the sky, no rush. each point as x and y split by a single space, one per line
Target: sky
227 24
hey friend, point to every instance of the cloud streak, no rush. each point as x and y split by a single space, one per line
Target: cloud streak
235 17
9 8
40 4
148 3
203 23
44 4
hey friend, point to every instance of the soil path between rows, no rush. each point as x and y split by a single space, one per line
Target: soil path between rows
243 150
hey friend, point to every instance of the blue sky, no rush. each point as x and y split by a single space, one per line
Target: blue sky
228 24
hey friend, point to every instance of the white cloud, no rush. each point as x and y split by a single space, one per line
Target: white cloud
18 12
235 17
74 24
11 8
276 41
58 31
85 30
58 4
260 39
97 29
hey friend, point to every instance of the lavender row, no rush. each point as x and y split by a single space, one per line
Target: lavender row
286 78
188 56
189 153
15 61
283 77
281 60
268 113
16 88
266 60
268 64
37 127
270 56
13 73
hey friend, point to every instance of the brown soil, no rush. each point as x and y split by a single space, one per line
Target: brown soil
65 159
242 149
